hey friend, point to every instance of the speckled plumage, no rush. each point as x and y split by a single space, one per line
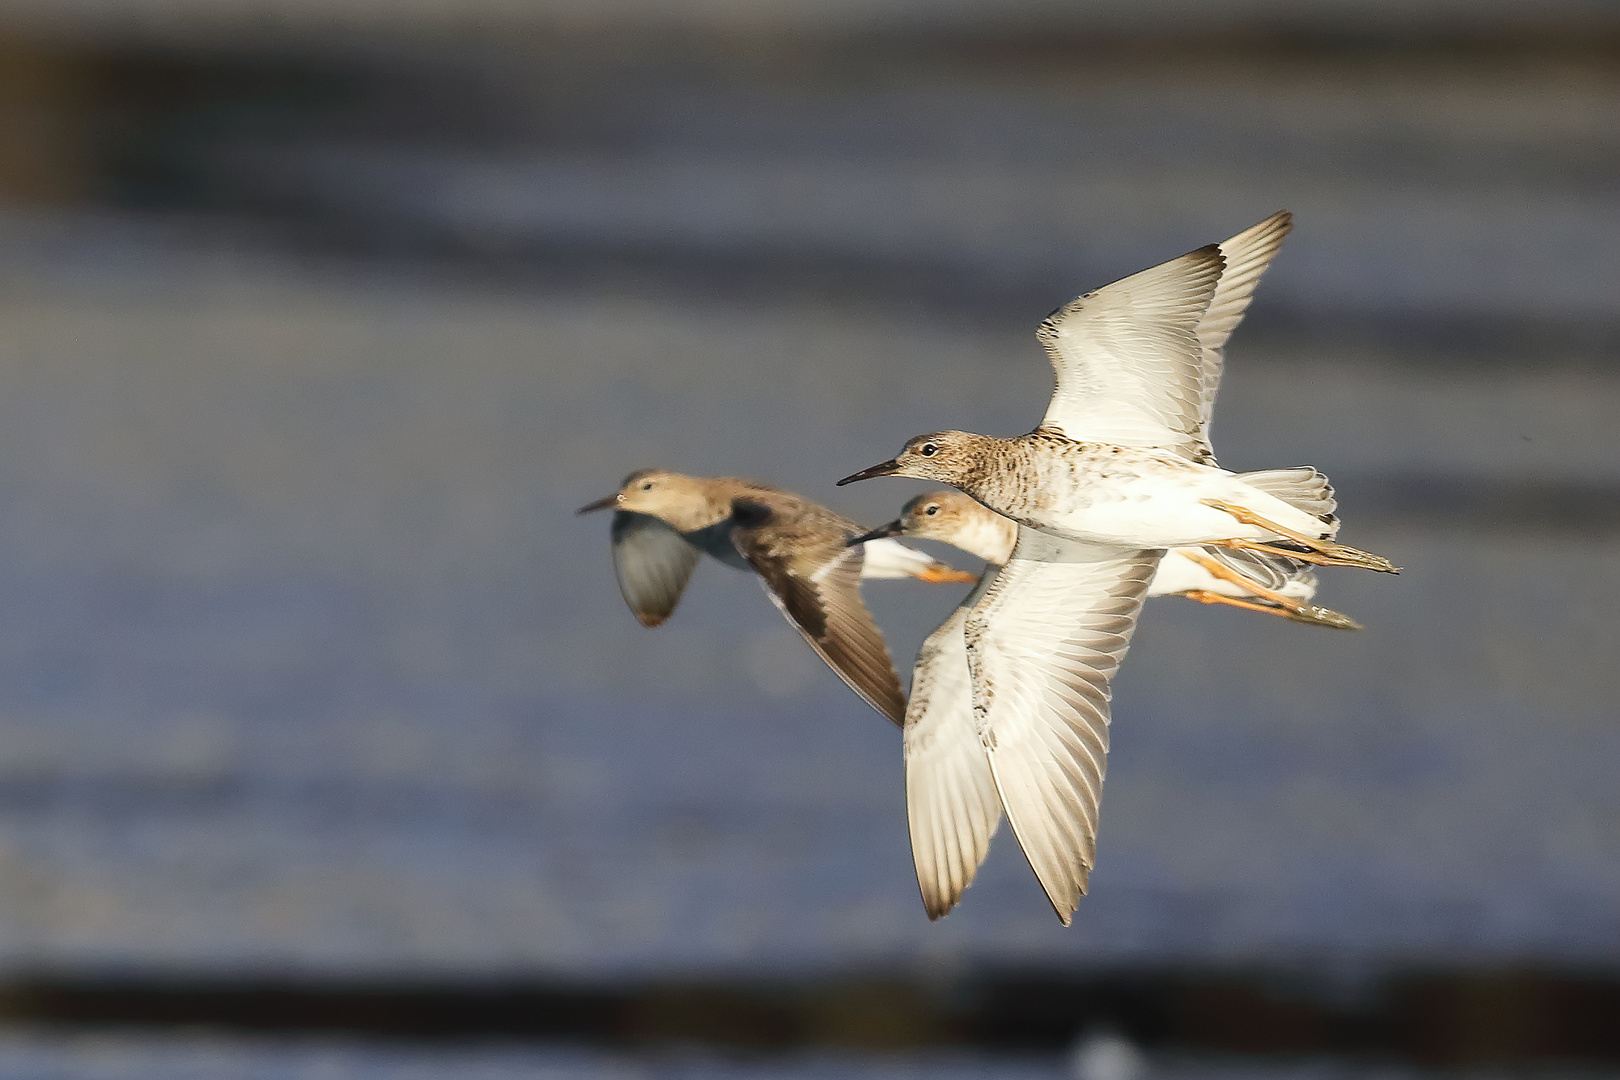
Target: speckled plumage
953 808
1119 470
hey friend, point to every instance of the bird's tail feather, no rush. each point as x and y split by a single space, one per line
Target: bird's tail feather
1302 488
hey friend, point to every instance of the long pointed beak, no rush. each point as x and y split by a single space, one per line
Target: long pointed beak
600 504
891 529
887 468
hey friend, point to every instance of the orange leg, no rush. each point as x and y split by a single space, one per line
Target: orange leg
1320 552
1203 596
1278 604
1228 574
940 574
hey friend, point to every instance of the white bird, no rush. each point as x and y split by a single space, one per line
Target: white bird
1249 580
951 801
1119 470
1121 458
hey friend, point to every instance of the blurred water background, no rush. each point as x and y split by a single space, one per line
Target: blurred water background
317 321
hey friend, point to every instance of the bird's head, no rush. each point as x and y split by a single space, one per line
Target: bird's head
946 456
668 496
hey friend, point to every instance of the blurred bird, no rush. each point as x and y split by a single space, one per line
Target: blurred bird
1119 470
663 522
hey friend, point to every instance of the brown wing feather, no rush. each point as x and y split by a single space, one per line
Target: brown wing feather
815 582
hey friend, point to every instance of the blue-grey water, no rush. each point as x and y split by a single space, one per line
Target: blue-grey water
126 1056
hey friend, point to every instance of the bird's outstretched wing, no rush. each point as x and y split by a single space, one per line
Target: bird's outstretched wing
820 593
951 798
653 563
1246 255
1043 645
1128 361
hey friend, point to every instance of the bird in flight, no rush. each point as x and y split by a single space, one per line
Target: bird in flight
664 522
1119 470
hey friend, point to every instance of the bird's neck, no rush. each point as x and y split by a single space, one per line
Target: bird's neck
988 536
1001 476
994 460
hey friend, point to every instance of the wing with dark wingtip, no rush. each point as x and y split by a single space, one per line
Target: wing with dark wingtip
1128 362
1247 255
653 563
825 605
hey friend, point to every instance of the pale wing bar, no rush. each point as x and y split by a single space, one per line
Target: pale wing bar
1042 646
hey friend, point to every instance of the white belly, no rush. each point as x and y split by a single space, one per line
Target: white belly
1144 501
1147 523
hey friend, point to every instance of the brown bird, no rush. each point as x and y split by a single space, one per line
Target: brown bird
665 521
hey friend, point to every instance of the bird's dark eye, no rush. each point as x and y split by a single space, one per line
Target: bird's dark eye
933 509
647 486
928 449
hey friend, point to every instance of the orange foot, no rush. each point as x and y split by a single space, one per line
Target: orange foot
940 574
1320 552
1272 603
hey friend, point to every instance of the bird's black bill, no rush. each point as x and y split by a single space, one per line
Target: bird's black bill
887 468
599 504
891 529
